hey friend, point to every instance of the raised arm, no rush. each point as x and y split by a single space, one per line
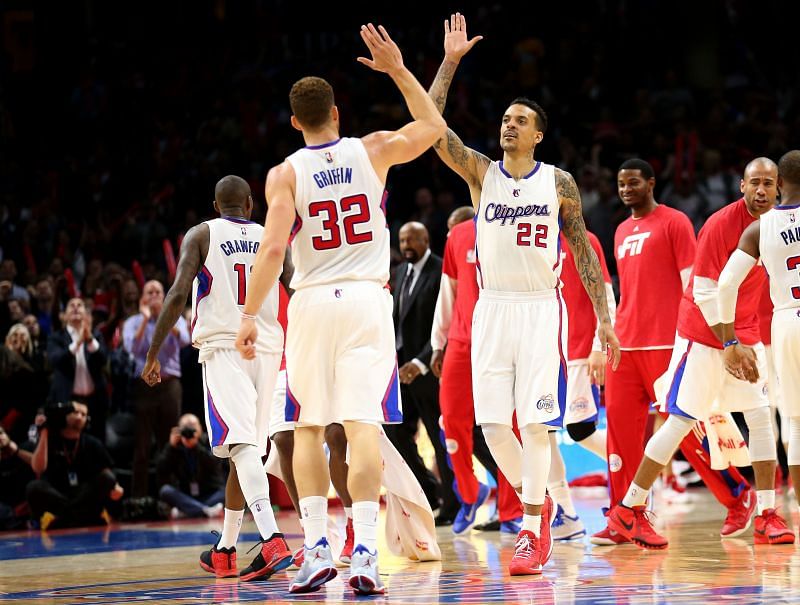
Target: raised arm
387 148
586 261
268 263
194 250
469 164
739 361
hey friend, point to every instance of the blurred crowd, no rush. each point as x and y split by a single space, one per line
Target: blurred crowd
113 133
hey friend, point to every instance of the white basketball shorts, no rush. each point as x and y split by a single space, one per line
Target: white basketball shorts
583 397
518 363
277 416
786 354
697 378
238 393
340 359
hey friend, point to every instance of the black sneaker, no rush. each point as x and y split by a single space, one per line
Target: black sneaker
274 556
219 561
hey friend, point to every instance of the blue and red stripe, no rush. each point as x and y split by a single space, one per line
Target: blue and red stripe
292 409
219 429
562 366
672 395
205 280
298 224
391 399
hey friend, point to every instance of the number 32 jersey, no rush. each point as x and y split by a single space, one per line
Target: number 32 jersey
220 288
780 253
517 240
340 231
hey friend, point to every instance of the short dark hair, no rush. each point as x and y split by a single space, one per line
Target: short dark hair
541 116
311 99
789 167
638 164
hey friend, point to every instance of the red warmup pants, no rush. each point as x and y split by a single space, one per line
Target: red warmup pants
629 393
458 417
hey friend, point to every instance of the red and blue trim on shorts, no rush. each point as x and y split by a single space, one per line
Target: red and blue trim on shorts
674 389
391 399
562 360
218 428
292 409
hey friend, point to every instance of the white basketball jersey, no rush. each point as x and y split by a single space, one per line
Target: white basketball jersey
340 232
220 288
517 244
779 245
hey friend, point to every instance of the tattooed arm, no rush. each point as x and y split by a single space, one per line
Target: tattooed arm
468 163
586 261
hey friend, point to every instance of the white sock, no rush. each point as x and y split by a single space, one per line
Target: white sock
532 523
636 496
314 510
231 526
560 493
348 512
765 499
596 443
365 524
264 517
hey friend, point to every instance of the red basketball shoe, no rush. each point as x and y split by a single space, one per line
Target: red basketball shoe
740 515
634 523
772 529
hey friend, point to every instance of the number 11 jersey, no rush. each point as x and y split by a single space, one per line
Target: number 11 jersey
340 231
517 244
220 288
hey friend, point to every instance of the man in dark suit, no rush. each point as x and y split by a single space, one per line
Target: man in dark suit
78 357
416 289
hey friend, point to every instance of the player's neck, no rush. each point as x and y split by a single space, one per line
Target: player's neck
518 165
790 196
645 209
321 137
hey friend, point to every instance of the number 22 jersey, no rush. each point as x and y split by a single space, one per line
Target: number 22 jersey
340 231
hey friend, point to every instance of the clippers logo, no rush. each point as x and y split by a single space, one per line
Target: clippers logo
510 214
451 446
329 157
632 244
546 403
614 463
581 404
471 256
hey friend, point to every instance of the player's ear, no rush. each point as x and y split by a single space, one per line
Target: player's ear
216 207
295 124
335 114
780 185
741 185
538 137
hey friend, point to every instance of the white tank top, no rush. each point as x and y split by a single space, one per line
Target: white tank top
779 245
340 233
517 228
220 288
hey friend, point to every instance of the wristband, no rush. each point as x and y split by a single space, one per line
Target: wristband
247 316
732 341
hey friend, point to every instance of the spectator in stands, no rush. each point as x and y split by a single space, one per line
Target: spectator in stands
78 357
190 476
45 304
76 481
8 273
157 408
15 474
22 388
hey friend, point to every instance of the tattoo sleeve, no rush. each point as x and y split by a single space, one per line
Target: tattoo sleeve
441 84
574 229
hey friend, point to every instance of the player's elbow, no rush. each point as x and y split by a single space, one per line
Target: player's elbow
439 128
274 251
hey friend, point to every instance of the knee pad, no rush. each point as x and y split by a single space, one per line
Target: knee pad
250 471
496 434
581 430
506 450
761 443
665 441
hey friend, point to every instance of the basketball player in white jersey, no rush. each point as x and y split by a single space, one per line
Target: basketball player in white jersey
340 357
217 256
775 239
519 325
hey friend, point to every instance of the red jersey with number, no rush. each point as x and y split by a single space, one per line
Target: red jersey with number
580 311
717 240
651 252
459 264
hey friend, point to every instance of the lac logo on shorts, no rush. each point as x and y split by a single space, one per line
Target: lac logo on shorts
546 403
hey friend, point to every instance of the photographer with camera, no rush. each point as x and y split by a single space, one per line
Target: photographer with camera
190 476
15 473
74 469
78 357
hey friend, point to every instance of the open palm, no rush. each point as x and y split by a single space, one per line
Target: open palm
456 42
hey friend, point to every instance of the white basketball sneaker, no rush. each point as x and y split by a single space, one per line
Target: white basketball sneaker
565 527
365 578
317 568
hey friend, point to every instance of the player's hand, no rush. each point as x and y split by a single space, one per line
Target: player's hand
175 437
408 372
86 334
116 492
437 360
386 56
741 362
597 368
151 372
609 343
246 338
144 309
456 42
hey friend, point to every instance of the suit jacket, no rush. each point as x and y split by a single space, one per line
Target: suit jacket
417 318
63 364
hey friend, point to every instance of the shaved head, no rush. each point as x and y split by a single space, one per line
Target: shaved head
232 193
789 167
459 215
760 163
413 241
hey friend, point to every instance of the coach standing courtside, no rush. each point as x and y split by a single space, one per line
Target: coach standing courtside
416 287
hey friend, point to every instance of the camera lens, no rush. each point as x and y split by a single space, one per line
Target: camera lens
187 432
